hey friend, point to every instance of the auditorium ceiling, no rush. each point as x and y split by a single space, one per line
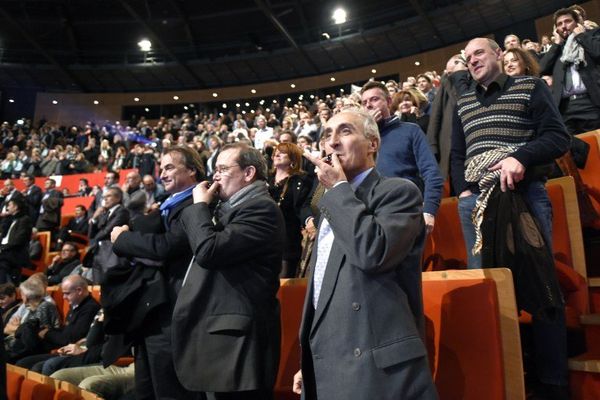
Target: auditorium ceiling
92 45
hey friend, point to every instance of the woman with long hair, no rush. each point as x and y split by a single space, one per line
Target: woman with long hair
517 62
409 105
289 186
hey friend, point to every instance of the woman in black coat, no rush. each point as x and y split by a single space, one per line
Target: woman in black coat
289 186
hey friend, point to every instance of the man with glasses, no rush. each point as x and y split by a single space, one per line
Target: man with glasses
181 169
81 313
226 319
63 264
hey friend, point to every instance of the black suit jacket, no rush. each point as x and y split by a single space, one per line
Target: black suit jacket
77 325
33 198
226 321
101 229
590 72
16 251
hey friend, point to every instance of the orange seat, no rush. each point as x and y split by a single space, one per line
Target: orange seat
472 334
70 203
64 395
14 380
589 174
291 297
32 390
445 246
40 265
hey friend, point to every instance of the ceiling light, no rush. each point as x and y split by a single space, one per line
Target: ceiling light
96 102
267 109
253 91
147 109
373 71
339 16
185 107
252 111
214 94
175 97
326 35
220 114
243 111
136 99
292 85
145 45
224 105
247 104
274 101
11 100
54 102
332 79
288 99
342 90
312 96
417 63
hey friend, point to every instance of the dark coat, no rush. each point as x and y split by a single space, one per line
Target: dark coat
33 198
15 253
101 229
60 270
77 324
550 64
228 304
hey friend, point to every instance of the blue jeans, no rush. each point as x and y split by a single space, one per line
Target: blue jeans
550 338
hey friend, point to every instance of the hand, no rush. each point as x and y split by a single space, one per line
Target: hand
511 172
117 230
466 193
71 349
328 175
556 37
375 113
55 259
429 222
42 333
99 211
297 386
204 194
578 29
310 228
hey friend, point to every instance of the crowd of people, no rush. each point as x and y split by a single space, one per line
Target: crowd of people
342 190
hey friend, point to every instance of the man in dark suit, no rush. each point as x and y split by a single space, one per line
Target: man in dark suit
49 212
8 192
106 217
228 301
362 329
573 62
14 240
33 196
181 170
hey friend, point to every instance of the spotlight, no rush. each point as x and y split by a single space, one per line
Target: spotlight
145 45
339 16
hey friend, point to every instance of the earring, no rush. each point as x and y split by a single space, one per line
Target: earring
292 165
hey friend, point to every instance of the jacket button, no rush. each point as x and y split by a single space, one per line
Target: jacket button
357 352
355 306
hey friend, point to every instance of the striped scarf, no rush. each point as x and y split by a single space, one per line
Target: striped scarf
478 171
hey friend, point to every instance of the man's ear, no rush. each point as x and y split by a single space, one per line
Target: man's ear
249 173
373 145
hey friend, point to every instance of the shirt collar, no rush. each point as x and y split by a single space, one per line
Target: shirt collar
358 179
496 84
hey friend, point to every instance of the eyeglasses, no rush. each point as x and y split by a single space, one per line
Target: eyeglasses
222 169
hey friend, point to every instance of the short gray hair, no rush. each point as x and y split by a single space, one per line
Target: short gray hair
33 290
370 129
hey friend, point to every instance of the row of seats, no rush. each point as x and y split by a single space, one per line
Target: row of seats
22 384
71 182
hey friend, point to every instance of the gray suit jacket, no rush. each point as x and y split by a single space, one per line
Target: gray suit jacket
364 340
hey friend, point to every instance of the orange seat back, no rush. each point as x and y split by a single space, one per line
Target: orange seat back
40 265
14 380
468 315
590 174
32 390
291 298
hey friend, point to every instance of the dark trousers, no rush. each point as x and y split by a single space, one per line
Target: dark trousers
248 395
580 115
155 376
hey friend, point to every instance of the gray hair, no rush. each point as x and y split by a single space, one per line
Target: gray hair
33 290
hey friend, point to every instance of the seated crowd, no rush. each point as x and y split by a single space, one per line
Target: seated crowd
417 124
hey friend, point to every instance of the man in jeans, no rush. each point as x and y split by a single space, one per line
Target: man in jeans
514 123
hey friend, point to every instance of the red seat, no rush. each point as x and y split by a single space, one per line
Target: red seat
14 380
32 390
40 265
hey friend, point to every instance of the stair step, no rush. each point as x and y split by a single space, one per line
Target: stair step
590 319
594 282
584 363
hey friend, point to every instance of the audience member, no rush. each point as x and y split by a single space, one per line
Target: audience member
231 283
63 264
404 151
362 213
8 302
33 196
14 240
499 150
52 201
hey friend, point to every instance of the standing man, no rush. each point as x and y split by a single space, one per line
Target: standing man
181 169
33 196
263 133
574 63
506 131
404 151
362 328
52 201
226 319
7 193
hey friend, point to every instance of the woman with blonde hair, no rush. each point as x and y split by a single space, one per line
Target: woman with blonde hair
409 105
289 186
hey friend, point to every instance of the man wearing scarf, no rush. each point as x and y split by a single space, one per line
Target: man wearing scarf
226 319
181 170
572 60
506 130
